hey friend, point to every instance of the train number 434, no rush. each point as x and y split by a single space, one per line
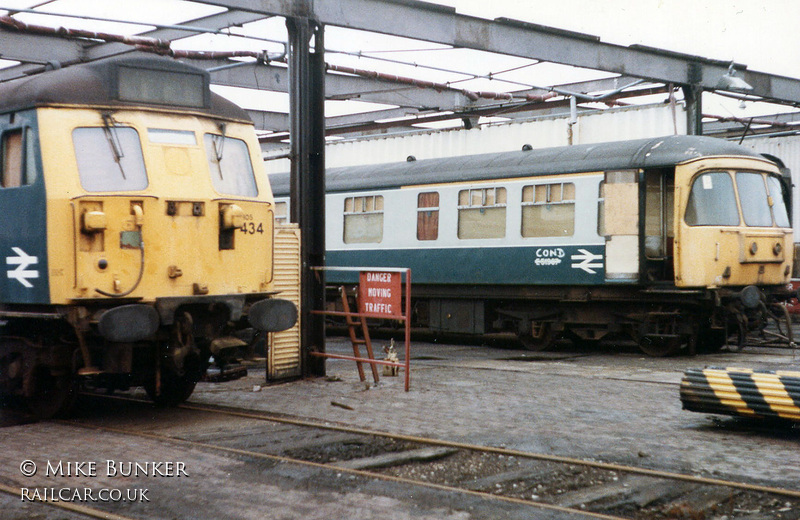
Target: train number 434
251 228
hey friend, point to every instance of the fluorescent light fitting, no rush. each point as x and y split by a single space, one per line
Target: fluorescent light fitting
729 81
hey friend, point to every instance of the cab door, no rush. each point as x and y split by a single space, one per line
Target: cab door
23 232
108 215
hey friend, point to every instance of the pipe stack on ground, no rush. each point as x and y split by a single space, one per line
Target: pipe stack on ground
760 394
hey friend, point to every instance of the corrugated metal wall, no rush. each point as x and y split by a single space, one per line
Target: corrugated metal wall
542 132
283 358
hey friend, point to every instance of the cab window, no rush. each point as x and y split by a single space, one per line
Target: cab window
753 197
109 159
231 169
18 159
712 201
763 205
779 209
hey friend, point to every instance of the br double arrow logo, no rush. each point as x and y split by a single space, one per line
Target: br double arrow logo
21 273
587 261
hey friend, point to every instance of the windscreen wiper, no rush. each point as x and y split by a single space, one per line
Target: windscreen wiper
110 129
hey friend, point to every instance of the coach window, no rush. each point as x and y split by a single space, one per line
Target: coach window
363 219
712 201
428 216
482 213
109 159
548 210
231 169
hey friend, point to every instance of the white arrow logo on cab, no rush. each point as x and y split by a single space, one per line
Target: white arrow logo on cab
587 261
23 260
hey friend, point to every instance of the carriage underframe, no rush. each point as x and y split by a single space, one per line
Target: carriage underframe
662 321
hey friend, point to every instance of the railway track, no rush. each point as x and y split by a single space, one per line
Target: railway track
588 488
591 489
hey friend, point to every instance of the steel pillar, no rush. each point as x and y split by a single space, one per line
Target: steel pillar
693 95
307 139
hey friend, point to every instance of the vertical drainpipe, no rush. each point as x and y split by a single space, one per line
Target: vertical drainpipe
307 192
573 119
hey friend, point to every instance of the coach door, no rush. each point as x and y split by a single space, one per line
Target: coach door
620 218
659 235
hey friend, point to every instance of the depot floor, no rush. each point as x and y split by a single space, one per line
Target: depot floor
596 404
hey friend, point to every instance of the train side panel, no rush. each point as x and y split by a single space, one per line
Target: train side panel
468 243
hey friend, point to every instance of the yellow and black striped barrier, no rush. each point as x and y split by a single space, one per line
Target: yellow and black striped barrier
761 394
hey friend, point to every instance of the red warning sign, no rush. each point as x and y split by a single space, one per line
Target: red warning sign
379 293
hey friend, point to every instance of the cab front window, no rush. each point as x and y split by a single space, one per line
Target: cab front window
231 169
779 210
712 201
109 159
762 199
753 196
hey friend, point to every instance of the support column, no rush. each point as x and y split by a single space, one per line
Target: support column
694 109
307 137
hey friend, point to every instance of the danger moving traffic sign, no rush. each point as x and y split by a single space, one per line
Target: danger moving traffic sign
380 294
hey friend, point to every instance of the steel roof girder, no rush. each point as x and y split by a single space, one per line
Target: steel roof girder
504 36
212 22
337 86
40 49
272 121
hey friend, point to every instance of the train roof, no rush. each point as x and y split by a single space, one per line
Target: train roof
619 155
121 82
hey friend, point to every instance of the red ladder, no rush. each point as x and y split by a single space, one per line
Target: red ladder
351 328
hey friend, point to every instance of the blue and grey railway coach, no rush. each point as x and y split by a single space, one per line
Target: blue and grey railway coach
679 242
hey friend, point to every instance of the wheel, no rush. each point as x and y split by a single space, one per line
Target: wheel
174 389
181 366
541 337
666 332
711 340
659 346
51 393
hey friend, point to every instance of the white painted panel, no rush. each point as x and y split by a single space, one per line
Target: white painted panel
622 257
